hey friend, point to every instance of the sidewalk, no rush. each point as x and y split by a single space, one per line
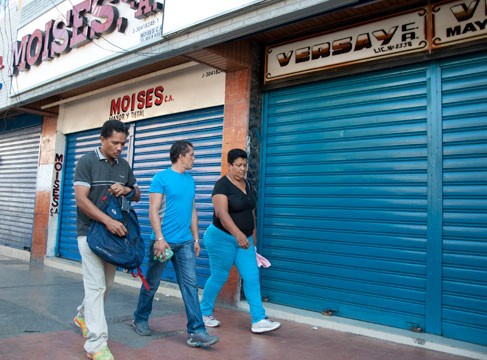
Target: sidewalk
37 304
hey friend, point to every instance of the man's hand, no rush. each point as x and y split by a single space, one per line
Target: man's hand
119 189
115 227
160 248
197 248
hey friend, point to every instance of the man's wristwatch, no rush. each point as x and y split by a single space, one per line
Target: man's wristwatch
159 239
196 240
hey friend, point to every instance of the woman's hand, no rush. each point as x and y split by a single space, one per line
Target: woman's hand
242 241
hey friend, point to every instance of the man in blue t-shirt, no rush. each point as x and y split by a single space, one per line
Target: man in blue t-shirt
174 222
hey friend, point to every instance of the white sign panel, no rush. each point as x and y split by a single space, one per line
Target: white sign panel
181 14
73 36
389 37
459 21
191 88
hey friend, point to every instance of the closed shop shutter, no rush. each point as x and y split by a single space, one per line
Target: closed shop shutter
77 145
358 213
153 139
464 106
151 144
19 162
345 197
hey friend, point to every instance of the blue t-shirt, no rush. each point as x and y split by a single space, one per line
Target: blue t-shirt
177 204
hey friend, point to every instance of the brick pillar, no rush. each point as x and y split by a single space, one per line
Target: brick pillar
43 193
235 131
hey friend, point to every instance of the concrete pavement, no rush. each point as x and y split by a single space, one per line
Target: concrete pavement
37 304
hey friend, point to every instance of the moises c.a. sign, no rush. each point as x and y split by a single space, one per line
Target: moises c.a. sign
75 29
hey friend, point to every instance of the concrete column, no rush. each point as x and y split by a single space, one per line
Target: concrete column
235 131
43 191
242 112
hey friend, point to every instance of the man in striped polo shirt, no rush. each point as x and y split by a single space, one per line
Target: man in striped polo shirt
97 173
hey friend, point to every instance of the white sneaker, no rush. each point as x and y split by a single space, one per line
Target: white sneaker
210 321
265 325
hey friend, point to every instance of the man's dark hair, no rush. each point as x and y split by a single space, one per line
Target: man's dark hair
234 154
180 147
113 125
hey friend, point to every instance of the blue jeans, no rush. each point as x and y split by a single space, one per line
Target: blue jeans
184 263
223 251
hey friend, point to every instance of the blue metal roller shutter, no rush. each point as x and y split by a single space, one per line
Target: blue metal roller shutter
153 139
77 145
343 209
335 177
464 285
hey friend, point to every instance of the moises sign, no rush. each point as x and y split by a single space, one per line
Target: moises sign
84 22
132 106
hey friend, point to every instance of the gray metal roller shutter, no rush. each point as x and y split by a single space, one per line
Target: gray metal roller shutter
19 162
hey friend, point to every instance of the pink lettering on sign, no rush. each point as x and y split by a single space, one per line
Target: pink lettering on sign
133 105
56 186
86 21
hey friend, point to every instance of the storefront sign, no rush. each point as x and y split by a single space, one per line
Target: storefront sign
56 186
187 87
133 106
459 21
450 23
398 35
183 14
83 23
73 36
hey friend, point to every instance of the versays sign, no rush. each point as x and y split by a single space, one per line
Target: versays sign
450 23
400 34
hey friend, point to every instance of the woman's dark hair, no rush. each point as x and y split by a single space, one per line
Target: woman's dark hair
234 154
113 125
180 147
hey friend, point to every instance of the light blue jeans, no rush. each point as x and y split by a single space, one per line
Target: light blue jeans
223 251
184 263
